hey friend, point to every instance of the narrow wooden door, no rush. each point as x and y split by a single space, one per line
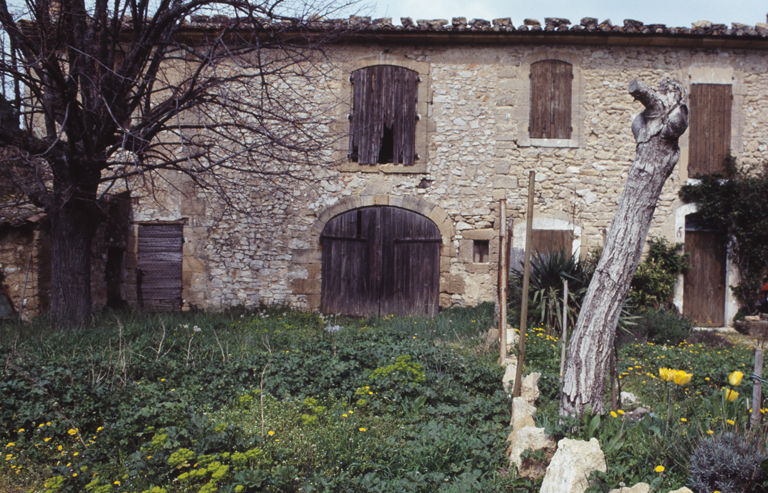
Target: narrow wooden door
159 270
380 261
704 287
549 241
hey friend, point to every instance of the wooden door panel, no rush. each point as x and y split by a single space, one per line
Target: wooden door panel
394 269
704 285
160 266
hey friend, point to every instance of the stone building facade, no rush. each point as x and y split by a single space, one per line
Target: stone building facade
474 146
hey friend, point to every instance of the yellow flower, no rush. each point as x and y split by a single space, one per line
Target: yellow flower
735 378
76 453
46 439
666 374
659 469
343 415
683 420
74 475
270 433
731 395
72 431
620 411
21 429
59 447
10 445
680 377
99 429
614 414
41 425
707 379
162 380
730 422
362 429
117 483
710 432
48 423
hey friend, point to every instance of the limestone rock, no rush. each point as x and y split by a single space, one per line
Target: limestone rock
628 398
638 488
529 388
534 439
522 416
508 380
571 465
682 490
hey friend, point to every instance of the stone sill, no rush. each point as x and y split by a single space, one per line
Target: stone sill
552 143
351 167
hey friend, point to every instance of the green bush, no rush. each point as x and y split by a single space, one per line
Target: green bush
654 281
662 326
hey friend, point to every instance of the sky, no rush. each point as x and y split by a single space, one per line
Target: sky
673 13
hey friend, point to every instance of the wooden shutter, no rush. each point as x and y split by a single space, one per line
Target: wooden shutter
384 113
159 276
549 241
551 93
710 128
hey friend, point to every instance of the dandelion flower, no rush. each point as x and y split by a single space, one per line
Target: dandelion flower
614 414
72 431
710 432
659 469
270 433
116 483
343 415
620 411
730 422
46 439
683 420
10 445
362 429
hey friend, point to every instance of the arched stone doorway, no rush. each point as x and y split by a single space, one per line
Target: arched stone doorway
379 261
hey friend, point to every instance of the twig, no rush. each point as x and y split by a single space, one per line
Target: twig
162 338
189 346
261 398
223 356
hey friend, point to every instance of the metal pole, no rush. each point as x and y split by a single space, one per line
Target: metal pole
526 276
503 281
565 328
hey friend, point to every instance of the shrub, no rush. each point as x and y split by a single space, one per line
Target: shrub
663 326
727 463
709 338
655 278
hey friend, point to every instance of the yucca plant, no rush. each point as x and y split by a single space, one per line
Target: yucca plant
548 271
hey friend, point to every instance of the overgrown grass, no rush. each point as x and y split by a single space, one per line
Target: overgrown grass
264 401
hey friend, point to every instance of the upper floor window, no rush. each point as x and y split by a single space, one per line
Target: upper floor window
710 128
383 121
551 82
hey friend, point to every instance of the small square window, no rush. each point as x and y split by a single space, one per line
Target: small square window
480 251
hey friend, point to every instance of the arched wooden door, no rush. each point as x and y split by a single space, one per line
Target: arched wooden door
380 261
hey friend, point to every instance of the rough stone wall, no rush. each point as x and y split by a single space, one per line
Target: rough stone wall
17 247
478 152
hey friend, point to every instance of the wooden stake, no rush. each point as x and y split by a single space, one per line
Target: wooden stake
757 387
503 275
565 328
526 275
24 291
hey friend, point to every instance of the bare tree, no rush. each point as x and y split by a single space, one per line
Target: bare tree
107 93
656 130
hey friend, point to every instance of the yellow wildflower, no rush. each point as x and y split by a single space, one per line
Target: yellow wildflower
659 469
735 378
731 395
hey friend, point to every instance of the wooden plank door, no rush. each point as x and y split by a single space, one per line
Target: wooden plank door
380 261
159 267
549 241
412 246
704 285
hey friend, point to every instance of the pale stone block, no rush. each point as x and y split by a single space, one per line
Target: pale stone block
571 465
638 488
534 439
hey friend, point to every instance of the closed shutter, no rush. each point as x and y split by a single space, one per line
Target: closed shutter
551 93
383 121
710 128
159 276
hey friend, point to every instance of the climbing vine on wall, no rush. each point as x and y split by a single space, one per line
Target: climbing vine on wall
737 202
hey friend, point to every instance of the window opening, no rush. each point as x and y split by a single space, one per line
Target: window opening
480 251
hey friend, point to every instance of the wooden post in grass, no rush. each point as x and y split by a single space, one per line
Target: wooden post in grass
757 386
526 275
565 327
503 280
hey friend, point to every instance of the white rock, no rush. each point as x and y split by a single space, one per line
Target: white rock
535 439
629 398
682 490
530 387
571 465
638 488
509 377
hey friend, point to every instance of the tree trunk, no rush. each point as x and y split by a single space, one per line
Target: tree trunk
656 131
73 226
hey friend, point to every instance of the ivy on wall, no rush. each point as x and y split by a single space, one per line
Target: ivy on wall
736 202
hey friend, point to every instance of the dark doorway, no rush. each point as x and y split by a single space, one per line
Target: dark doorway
704 285
380 261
